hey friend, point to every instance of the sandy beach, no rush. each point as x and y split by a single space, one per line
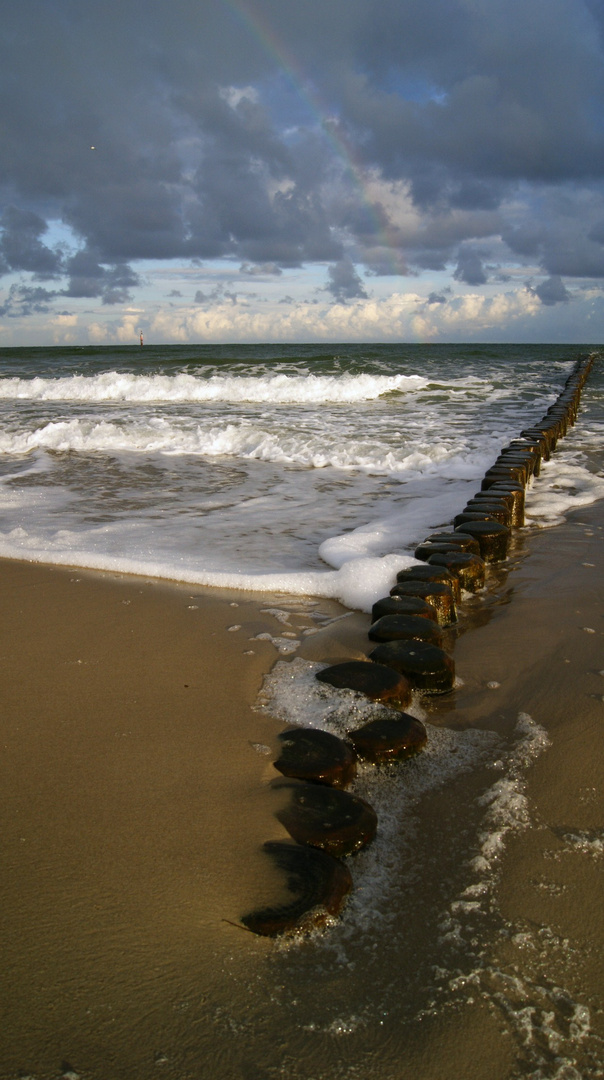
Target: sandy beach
135 798
288 291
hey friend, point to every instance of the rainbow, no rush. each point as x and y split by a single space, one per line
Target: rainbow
264 33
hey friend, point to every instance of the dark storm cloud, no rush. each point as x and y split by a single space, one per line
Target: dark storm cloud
21 247
177 131
500 90
469 267
552 291
343 281
88 278
525 240
568 240
23 300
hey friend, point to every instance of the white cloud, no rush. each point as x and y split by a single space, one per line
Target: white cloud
64 329
398 317
234 95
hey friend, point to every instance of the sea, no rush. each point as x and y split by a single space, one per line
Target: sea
302 469
310 473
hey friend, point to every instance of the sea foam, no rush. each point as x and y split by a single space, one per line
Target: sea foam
113 386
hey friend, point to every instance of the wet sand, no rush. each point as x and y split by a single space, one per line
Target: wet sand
134 787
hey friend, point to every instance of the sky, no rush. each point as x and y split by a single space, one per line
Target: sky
317 170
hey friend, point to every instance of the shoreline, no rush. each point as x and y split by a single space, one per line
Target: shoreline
135 791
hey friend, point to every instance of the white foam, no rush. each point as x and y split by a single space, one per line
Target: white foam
283 645
403 527
550 1027
357 584
586 842
292 692
114 386
564 485
264 533
314 448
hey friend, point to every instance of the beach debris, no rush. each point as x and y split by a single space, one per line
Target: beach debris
377 681
433 592
314 754
405 627
391 737
319 884
327 818
427 667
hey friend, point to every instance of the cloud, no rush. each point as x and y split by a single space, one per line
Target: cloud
552 291
469 267
21 247
343 281
217 296
260 269
88 278
398 317
412 138
24 300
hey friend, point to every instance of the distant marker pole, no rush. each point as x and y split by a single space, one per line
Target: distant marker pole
141 337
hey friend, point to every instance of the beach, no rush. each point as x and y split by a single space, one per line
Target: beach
136 796
301 524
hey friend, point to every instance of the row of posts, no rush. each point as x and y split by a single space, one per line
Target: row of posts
326 822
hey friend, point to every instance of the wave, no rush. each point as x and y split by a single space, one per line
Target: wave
113 386
247 441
